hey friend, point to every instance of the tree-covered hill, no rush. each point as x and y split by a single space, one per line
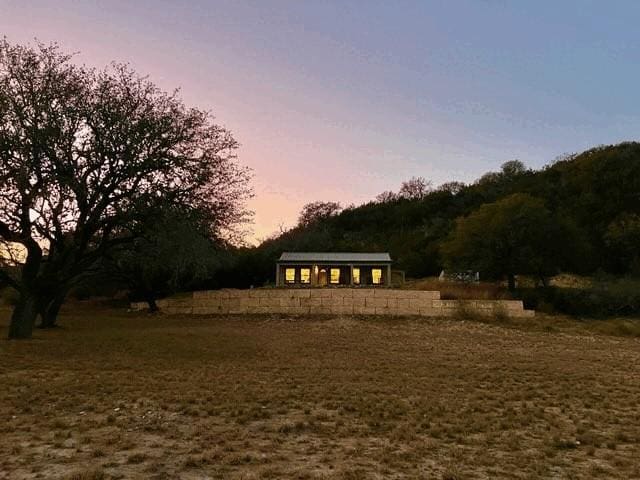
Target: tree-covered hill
597 192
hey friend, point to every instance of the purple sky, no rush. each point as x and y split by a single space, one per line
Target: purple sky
342 100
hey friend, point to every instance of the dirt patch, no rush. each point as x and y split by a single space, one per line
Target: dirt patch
115 395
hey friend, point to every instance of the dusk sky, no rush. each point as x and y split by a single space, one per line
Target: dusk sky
341 100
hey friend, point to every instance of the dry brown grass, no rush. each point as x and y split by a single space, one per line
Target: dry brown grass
115 395
460 290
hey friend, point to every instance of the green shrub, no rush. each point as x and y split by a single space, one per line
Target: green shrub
606 298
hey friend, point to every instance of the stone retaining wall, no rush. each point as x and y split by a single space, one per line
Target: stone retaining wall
346 301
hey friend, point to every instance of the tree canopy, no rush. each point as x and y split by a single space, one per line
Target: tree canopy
85 155
516 234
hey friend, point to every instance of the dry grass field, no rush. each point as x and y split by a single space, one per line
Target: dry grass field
119 395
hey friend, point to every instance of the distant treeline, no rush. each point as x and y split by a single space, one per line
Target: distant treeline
597 192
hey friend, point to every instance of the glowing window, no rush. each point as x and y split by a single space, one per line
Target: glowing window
305 275
290 275
376 276
356 275
335 275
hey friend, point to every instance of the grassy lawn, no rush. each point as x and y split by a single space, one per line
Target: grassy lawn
119 395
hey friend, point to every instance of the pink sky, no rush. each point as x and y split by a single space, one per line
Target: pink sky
341 101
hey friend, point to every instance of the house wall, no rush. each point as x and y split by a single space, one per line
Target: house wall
346 301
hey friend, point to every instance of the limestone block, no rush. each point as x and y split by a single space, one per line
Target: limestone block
269 301
511 304
383 311
420 303
354 302
294 310
311 302
403 311
318 310
364 310
403 303
362 292
341 310
249 302
453 304
486 304
382 292
392 303
376 302
260 293
301 293
289 302
331 301
235 293
320 293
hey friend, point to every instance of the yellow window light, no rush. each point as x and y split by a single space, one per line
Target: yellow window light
376 276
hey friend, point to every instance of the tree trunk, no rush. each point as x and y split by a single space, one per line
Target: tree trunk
153 306
511 279
49 312
24 316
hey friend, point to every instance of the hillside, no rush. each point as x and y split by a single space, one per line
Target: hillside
598 191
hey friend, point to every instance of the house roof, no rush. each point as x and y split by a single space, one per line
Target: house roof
336 257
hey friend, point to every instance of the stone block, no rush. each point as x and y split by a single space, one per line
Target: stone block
383 292
364 310
318 310
289 302
376 302
362 292
511 304
354 302
301 293
419 303
403 303
331 301
383 311
341 310
320 292
268 301
261 292
248 302
311 302
452 304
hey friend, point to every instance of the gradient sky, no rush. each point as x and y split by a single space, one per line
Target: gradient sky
340 100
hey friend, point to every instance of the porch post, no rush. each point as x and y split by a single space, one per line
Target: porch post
388 275
351 275
277 274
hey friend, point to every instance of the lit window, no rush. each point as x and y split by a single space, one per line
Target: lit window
376 276
335 275
305 275
356 276
290 275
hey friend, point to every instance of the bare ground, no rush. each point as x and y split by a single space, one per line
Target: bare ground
118 395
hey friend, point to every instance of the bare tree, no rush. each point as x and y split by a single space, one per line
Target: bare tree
83 155
452 187
314 211
386 196
415 188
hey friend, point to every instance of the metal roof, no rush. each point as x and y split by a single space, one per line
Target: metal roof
343 257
